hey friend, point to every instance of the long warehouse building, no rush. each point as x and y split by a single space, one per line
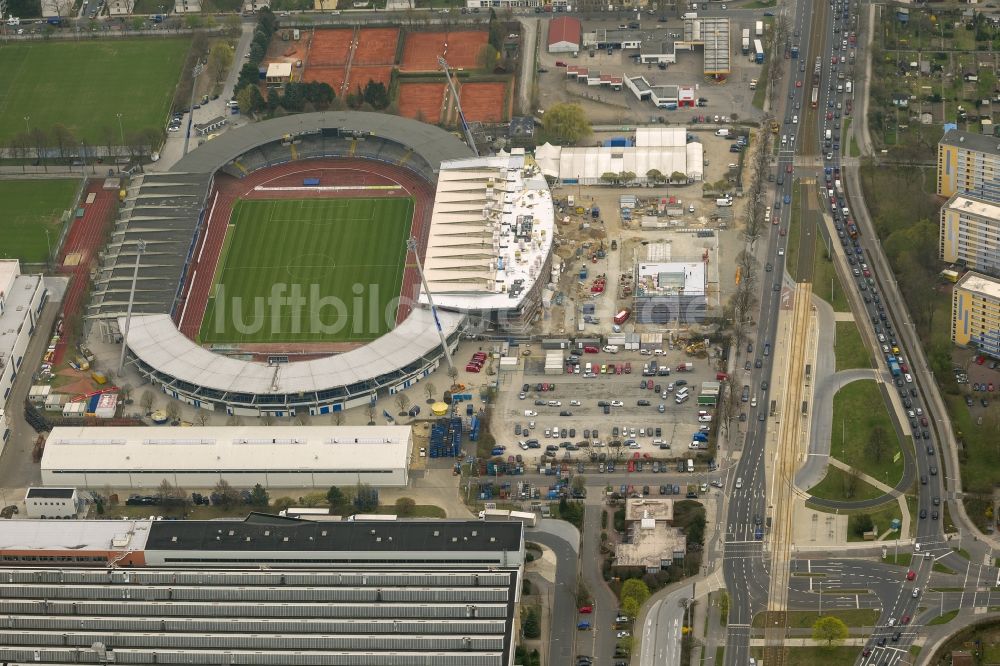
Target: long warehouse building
200 457
261 591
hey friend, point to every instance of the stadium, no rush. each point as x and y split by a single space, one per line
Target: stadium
273 266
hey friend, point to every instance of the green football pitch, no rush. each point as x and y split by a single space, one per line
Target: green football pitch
85 85
315 270
30 209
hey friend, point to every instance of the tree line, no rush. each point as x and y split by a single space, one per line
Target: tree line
59 142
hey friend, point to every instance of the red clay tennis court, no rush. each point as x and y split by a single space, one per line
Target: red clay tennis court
421 101
360 76
484 102
421 50
376 46
330 47
331 75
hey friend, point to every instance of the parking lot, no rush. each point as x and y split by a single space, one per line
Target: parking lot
573 410
604 105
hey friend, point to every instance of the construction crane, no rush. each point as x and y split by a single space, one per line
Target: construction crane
461 116
411 245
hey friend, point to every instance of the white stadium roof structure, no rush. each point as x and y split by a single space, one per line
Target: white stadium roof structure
173 360
490 233
166 210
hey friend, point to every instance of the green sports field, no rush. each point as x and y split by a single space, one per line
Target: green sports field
85 85
30 208
316 270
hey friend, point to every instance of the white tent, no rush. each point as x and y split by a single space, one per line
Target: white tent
586 165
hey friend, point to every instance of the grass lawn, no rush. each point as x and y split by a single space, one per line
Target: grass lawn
321 249
84 85
834 484
858 409
902 560
826 284
800 619
946 618
981 464
761 91
32 207
850 350
940 568
881 515
794 232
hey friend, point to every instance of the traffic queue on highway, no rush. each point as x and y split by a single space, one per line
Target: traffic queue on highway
894 363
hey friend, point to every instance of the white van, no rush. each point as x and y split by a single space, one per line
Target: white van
681 399
784 139
682 391
795 120
690 465
722 132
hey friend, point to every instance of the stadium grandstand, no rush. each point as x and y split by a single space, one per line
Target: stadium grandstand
176 222
489 252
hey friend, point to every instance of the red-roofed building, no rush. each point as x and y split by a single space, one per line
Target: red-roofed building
564 34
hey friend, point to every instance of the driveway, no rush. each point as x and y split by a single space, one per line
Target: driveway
564 540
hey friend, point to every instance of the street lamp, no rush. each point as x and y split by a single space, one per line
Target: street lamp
26 128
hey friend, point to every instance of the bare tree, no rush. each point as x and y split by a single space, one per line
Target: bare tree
202 418
18 146
173 410
234 420
110 140
225 494
453 374
267 419
430 390
338 418
63 138
403 402
39 141
146 402
170 496
370 409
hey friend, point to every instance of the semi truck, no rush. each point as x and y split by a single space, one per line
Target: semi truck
759 29
758 51
746 41
893 366
849 87
795 51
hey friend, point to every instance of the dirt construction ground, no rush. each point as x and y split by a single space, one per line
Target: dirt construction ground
722 248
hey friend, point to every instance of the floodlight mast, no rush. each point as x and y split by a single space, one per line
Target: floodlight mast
461 115
411 245
140 247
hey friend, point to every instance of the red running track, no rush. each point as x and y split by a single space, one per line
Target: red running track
85 238
341 171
